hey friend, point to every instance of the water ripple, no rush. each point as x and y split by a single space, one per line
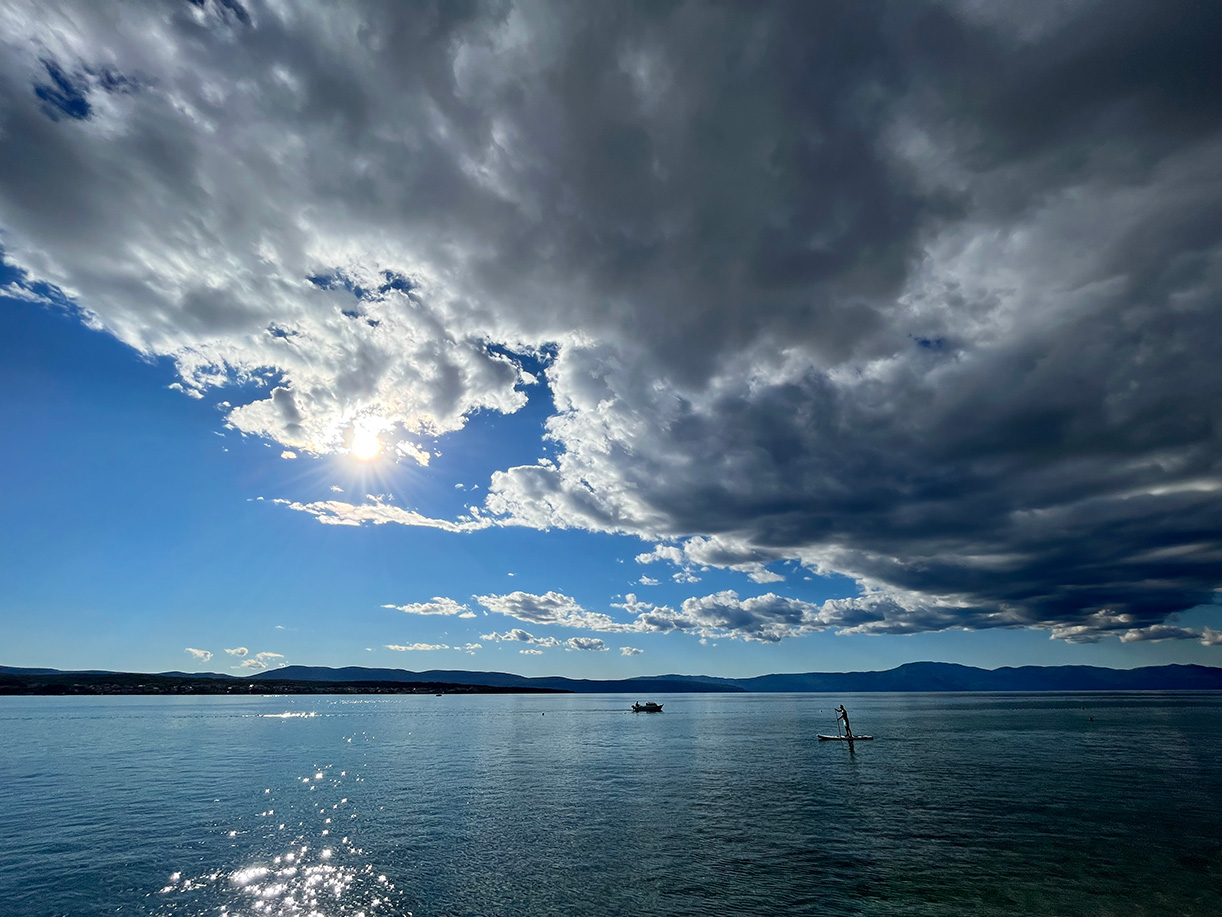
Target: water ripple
330 807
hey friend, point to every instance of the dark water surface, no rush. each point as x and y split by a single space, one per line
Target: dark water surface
722 805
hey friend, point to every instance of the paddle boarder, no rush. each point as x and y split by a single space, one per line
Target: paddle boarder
842 714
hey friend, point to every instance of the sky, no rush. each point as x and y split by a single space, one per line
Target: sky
607 340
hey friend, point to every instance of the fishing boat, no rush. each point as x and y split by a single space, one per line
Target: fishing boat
842 716
647 707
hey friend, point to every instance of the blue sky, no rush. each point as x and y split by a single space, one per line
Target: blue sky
672 360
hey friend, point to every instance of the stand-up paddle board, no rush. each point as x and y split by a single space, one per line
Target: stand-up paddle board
842 716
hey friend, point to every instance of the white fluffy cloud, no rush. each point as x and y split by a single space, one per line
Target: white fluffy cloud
517 635
714 551
586 643
766 618
550 608
377 511
1207 636
416 647
439 606
201 655
661 552
237 651
261 661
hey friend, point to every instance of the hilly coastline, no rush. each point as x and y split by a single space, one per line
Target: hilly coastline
910 677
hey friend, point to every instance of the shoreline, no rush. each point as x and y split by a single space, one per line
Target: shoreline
128 684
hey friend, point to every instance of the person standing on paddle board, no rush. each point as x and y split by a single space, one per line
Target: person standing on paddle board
842 714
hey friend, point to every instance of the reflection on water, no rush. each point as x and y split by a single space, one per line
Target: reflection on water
297 883
336 807
314 872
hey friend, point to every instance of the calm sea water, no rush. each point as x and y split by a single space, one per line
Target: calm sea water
1099 804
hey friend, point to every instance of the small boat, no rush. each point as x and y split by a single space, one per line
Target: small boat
842 716
647 707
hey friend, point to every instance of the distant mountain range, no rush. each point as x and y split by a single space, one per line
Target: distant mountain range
913 676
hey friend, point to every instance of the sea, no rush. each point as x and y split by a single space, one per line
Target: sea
723 804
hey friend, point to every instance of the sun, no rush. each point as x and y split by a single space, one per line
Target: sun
364 445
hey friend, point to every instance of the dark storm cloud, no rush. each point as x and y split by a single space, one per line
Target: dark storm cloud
923 294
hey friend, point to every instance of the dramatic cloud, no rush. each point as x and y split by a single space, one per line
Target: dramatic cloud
923 294
237 651
201 655
439 606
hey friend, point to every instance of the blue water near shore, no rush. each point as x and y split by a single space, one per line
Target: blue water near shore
1088 804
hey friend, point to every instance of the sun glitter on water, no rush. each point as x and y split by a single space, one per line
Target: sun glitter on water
364 445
